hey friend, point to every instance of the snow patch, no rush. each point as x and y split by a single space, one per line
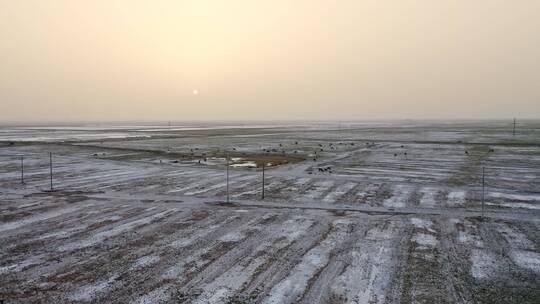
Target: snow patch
290 288
338 192
369 274
20 266
232 237
38 218
89 292
318 190
423 224
516 197
145 261
101 236
428 197
527 259
515 238
427 240
483 263
400 197
456 198
531 206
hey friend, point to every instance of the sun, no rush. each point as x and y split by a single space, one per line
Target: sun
195 92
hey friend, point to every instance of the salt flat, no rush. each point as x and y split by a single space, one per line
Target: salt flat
382 212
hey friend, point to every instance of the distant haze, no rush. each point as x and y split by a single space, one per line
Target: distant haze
196 60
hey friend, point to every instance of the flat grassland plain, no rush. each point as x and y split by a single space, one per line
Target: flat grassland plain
380 212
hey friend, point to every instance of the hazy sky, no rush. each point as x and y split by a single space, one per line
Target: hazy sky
253 59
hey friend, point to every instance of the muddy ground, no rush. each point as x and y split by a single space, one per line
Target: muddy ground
366 213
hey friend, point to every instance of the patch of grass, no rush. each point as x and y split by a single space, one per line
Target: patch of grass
130 154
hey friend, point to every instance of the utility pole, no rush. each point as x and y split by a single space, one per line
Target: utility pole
263 180
22 169
483 189
227 178
50 169
514 129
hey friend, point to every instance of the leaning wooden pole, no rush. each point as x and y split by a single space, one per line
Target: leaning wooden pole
227 178
50 169
483 189
22 169
263 181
